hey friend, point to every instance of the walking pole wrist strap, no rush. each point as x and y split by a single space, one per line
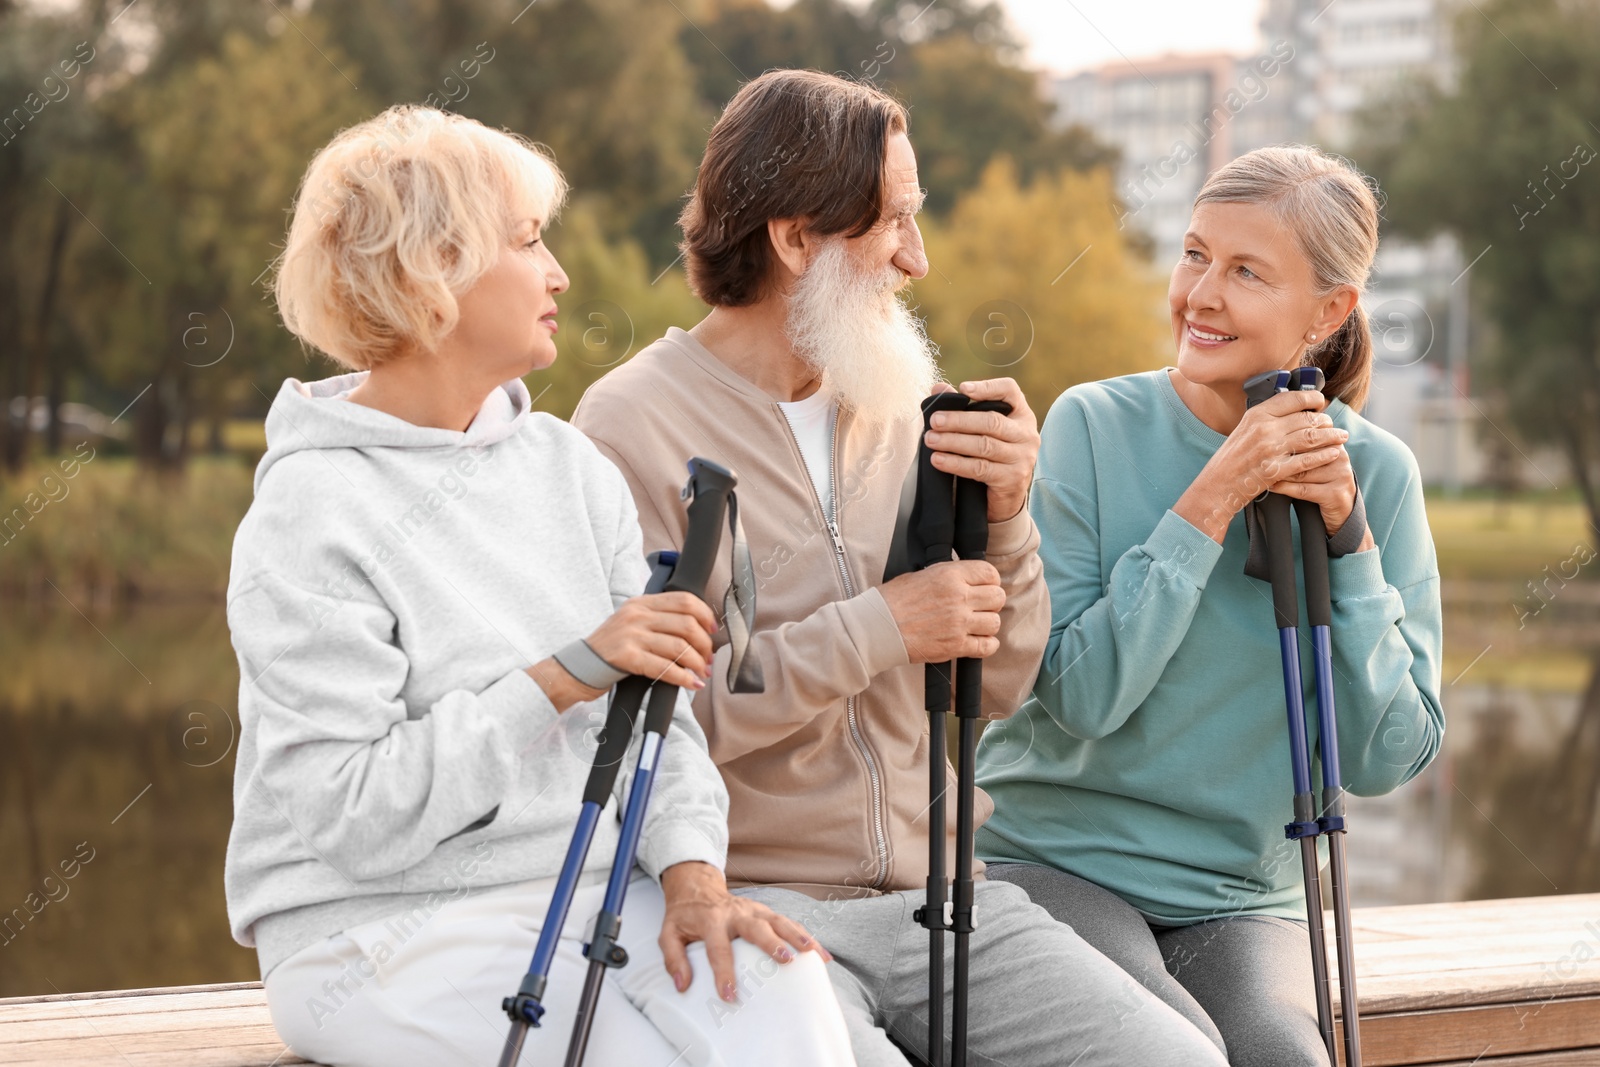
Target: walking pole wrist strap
739 609
1346 541
581 661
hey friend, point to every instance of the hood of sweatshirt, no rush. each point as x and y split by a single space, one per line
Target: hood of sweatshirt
313 415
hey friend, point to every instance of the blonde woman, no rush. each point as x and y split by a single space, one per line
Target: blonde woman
424 560
1142 795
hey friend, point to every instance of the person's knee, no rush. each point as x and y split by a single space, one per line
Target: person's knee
1143 1030
1175 1040
802 984
1275 1029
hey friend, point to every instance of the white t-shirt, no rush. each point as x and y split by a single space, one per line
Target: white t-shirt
811 420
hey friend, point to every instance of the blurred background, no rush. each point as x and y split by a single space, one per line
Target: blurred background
149 151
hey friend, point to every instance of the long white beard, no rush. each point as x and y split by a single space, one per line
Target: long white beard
853 328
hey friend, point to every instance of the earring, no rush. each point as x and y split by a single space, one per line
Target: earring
1313 337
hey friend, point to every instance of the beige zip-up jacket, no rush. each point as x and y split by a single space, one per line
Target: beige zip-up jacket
827 770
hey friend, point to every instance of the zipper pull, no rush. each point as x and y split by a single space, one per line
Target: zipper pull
838 542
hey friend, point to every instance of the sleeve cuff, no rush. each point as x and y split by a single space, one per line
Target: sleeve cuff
1360 574
1013 536
679 842
1184 547
520 707
871 626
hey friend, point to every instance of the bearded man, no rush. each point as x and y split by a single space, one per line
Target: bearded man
805 379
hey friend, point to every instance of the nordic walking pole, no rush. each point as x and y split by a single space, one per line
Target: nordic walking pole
1274 509
972 541
710 491
1319 613
941 516
527 1007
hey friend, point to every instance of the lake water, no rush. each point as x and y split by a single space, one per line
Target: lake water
116 737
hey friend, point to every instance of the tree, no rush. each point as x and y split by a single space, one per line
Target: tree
604 83
1038 283
47 124
216 148
612 310
953 64
1507 160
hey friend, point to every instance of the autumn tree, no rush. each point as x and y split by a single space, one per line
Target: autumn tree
1037 282
1507 161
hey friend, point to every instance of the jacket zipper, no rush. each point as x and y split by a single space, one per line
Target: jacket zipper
831 518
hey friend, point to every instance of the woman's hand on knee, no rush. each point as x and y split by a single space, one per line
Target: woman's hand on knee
700 908
662 636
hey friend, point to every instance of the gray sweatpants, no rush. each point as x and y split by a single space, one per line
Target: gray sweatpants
1245 981
1039 995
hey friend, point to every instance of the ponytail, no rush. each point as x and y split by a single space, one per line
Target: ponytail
1346 360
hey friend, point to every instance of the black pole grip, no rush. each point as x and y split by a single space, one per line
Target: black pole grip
1280 559
972 542
936 686
933 522
1274 512
710 485
626 698
972 519
658 712
1314 557
1313 534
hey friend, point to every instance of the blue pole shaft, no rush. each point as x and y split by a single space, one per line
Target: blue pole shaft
544 952
608 923
1327 718
633 823
1294 700
527 1012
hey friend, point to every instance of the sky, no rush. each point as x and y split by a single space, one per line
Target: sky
1068 35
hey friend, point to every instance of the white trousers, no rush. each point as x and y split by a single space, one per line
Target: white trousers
428 990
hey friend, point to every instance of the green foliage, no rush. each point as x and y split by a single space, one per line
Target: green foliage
1001 300
104 529
141 284
611 310
602 82
952 63
1498 161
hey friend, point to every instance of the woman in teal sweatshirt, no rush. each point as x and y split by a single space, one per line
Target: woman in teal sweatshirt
1141 796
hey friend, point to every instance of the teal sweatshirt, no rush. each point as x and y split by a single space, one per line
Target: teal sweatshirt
1153 757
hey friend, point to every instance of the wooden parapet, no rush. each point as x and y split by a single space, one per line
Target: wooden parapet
1495 983
198 1026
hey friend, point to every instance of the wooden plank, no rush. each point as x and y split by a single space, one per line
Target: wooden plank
206 1026
1476 952
197 1022
113 994
1575 1058
1420 1037
107 1013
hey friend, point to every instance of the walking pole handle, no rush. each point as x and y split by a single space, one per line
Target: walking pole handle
626 698
1313 532
709 487
1274 510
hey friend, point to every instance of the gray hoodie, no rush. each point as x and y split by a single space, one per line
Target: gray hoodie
389 585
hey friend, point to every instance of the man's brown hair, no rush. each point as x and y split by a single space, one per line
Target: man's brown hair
790 144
